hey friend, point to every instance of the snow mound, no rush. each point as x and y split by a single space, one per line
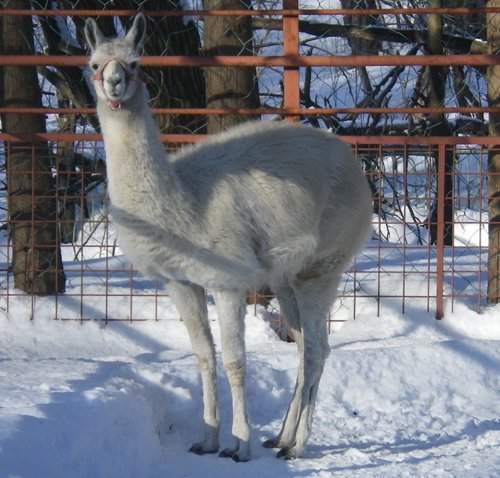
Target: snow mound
400 396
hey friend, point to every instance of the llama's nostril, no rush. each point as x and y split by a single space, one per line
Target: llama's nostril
113 81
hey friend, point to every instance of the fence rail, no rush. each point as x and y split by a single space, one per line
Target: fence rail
291 12
287 61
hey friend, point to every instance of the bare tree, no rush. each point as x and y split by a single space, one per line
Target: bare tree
32 205
494 159
438 124
395 35
229 87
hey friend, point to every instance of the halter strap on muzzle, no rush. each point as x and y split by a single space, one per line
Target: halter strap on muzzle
98 76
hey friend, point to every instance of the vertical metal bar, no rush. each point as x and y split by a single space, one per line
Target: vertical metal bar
157 295
483 196
355 288
441 172
8 271
405 225
131 296
291 75
380 190
107 272
430 179
59 266
33 244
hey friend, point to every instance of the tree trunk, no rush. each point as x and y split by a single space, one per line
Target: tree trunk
36 255
67 176
493 75
360 46
229 87
439 125
174 87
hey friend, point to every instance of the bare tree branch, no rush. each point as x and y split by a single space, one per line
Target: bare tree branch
453 43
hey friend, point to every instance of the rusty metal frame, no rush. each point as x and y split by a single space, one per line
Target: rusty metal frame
285 61
291 11
291 61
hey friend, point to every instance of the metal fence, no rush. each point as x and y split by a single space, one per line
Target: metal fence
405 263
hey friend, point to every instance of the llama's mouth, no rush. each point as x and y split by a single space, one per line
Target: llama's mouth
114 100
114 105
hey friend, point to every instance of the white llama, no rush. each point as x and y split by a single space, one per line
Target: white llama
263 203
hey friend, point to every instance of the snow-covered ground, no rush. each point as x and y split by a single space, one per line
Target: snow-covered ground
402 395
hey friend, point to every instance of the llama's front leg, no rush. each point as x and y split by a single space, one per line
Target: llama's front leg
190 300
231 312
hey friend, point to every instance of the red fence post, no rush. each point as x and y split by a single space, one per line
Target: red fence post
291 80
441 172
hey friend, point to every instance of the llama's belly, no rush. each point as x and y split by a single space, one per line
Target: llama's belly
181 259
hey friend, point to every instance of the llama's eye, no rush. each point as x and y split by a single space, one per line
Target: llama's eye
133 65
94 66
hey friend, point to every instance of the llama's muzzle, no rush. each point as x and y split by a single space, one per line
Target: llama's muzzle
130 75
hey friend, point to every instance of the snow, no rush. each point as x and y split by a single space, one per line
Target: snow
401 395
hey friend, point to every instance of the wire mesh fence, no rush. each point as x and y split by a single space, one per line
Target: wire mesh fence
400 265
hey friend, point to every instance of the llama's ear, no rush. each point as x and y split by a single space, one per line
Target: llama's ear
93 35
136 34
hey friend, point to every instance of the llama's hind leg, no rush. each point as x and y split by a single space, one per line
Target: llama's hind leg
314 298
289 309
231 312
311 302
190 301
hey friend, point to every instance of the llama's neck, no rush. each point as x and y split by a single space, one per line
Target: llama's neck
135 155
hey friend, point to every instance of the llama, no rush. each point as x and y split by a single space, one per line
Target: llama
263 203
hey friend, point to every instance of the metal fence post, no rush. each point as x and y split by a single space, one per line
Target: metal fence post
291 75
441 172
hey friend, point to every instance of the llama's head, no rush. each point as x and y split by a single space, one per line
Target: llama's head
115 63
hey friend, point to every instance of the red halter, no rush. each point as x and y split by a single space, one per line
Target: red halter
129 76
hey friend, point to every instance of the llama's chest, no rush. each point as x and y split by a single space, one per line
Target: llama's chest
150 253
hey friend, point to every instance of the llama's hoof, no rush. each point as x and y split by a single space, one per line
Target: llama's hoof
201 449
271 443
234 455
287 453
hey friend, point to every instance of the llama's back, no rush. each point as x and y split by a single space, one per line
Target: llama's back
268 157
289 195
